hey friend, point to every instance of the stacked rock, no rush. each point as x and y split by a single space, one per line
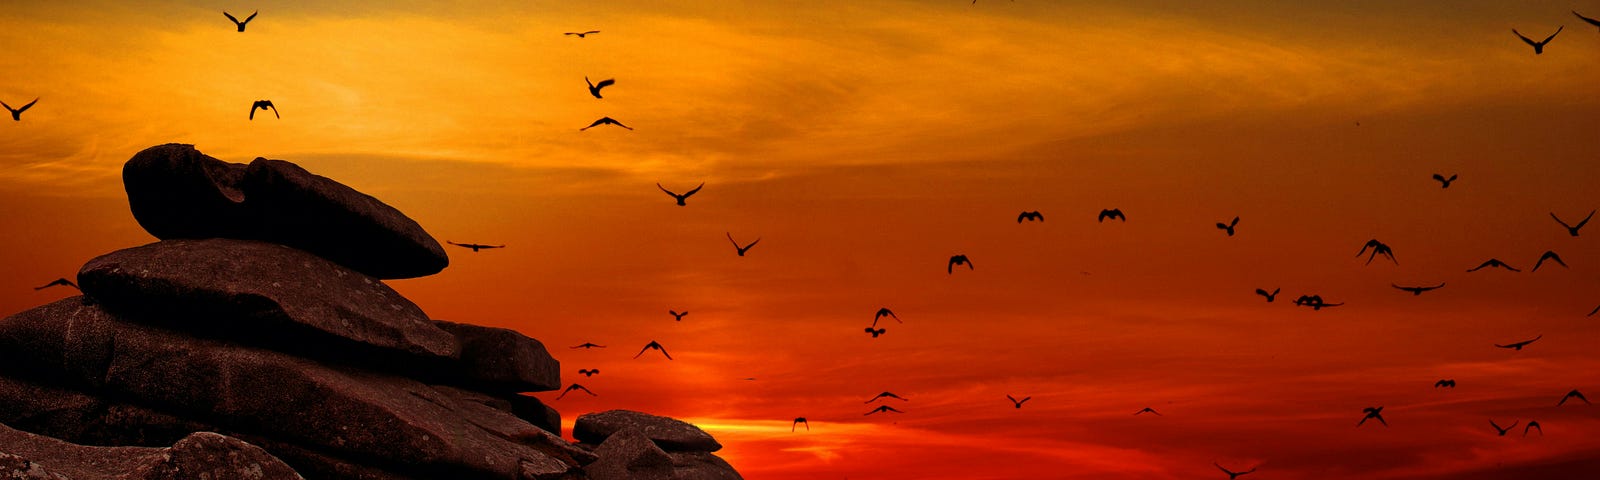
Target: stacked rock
260 316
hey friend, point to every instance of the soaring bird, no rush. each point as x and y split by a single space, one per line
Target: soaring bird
677 316
1270 296
885 395
683 197
1232 474
59 282
1378 248
882 408
1549 255
587 346
1446 383
1573 394
240 24
1507 429
745 248
1444 182
605 121
1150 410
1017 403
1571 230
1591 21
474 246
1592 312
1538 47
1314 301
1518 346
1494 263
263 105
877 331
1115 213
1531 425
16 113
950 268
594 88
1229 226
575 387
582 34
1030 216
798 421
885 312
1418 290
588 372
652 345
1375 413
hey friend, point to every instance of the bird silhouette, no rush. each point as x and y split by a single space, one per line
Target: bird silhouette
594 88
16 113
263 105
885 395
1378 248
950 268
575 387
1446 383
582 34
1538 47
653 345
885 312
881 409
1148 409
474 246
1418 290
59 282
1314 301
1229 226
1571 230
1030 216
876 332
1518 346
1531 425
1232 474
240 24
1270 296
1115 213
587 346
683 197
588 372
677 316
1573 394
1017 403
745 248
798 421
1375 413
1444 182
1591 21
605 121
1503 430
1493 263
1549 255
1592 312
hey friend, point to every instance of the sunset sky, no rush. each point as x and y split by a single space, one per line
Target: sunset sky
865 142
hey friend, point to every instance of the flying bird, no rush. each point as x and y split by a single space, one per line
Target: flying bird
1314 301
1507 429
885 395
653 345
240 24
263 105
575 387
1531 425
1494 263
677 316
1549 255
1444 182
1017 403
59 282
1418 290
1232 474
474 246
1270 296
745 248
1592 312
589 373
1573 394
1570 229
605 121
1378 248
1115 213
594 88
1375 413
1518 346
1596 23
882 408
587 346
798 421
582 34
1446 383
1148 409
16 113
876 332
1538 47
683 197
950 268
885 312
1030 216
1229 226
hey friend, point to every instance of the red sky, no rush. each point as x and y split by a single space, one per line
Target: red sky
865 142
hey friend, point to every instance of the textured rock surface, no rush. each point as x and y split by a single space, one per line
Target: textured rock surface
176 192
502 360
701 466
670 434
198 456
628 455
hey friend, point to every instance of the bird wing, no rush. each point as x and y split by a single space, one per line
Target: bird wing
1103 215
36 100
950 267
664 351
752 244
1558 220
664 189
696 189
251 17
603 83
1222 226
1261 292
1234 222
1580 224
1592 312
1440 285
641 351
230 17
1553 35
8 106
1011 398
1399 287
274 110
1438 177
1527 40
1587 19
1021 216
1495 425
253 108
730 240
1219 467
591 31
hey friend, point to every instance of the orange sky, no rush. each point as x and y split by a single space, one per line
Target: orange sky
867 141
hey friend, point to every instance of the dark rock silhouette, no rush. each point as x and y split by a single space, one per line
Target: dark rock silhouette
669 434
198 456
502 360
628 455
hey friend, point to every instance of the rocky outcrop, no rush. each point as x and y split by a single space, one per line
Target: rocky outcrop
198 456
670 434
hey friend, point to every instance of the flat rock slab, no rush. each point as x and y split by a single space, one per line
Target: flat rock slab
628 455
670 434
199 456
177 192
502 360
256 290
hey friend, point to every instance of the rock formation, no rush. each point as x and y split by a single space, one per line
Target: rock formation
258 330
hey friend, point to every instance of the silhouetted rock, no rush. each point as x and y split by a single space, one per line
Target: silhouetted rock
628 455
701 466
502 360
200 456
533 411
177 192
254 290
670 434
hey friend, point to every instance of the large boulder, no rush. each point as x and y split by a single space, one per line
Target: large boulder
177 192
628 455
701 466
199 456
502 360
670 434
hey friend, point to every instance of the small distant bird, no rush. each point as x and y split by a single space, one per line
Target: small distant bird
238 23
16 113
1549 255
882 408
605 121
594 88
1418 290
798 421
263 105
1446 383
1232 474
588 373
1592 312
587 346
1229 226
1571 230
950 268
1030 216
1444 182
1573 394
1504 430
1531 425
1314 301
876 332
1518 346
655 346
1538 47
683 197
677 316
885 395
1270 296
582 34
474 246
1115 213
885 312
59 282
1017 403
1150 410
1375 413
575 387
1596 23
745 248
1493 263
1378 248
